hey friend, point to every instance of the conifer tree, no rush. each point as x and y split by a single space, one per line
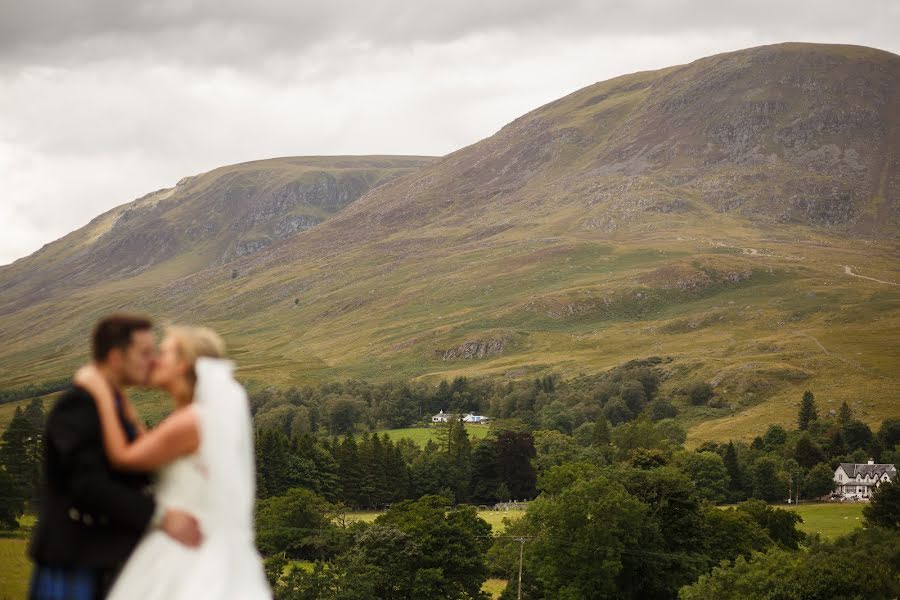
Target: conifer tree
807 410
845 415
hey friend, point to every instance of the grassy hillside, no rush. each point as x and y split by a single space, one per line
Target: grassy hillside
738 214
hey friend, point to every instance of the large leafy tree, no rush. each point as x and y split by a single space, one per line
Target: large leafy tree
450 548
819 481
710 475
780 524
297 523
594 522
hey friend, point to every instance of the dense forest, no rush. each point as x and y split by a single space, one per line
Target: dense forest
617 507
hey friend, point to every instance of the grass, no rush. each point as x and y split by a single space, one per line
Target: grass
830 520
494 587
421 435
15 568
493 517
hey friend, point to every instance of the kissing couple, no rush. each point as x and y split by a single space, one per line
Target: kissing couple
159 514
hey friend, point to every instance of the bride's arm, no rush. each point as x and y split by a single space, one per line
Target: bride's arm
176 436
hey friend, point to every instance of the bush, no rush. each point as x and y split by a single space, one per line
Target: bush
699 393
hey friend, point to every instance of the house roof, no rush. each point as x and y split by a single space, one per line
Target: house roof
854 469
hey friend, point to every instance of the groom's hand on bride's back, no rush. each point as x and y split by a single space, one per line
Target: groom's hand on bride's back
182 527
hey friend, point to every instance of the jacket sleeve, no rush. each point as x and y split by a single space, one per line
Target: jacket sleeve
74 430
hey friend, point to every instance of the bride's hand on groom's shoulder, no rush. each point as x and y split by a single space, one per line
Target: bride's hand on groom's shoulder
90 378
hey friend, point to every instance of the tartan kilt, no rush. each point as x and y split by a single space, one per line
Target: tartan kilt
68 583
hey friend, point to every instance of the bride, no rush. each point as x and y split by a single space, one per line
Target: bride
203 453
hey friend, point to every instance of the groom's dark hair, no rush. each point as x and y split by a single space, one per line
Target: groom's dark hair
115 331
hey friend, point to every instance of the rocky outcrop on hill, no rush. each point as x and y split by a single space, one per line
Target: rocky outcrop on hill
474 349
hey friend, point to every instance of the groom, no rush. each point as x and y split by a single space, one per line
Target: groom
91 515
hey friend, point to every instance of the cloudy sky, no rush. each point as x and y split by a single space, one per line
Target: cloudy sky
102 101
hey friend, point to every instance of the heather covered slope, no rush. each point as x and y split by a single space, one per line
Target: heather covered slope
738 214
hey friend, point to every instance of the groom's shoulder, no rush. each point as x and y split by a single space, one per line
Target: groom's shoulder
75 400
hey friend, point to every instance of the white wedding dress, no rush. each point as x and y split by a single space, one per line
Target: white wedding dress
217 485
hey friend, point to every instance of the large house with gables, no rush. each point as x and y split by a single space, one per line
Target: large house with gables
861 480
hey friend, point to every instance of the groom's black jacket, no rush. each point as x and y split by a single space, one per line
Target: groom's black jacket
91 514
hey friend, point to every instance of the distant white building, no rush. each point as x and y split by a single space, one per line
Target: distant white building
862 480
472 418
443 417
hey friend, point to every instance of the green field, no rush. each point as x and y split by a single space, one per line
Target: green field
830 520
421 435
493 517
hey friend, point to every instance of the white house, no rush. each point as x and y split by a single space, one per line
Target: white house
861 480
443 417
472 418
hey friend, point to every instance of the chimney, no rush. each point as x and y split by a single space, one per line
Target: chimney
871 462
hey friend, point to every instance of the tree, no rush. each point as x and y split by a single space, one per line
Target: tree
769 483
780 524
342 413
828 570
21 452
553 448
12 502
296 523
729 533
601 436
857 435
819 481
735 474
699 393
277 467
775 436
660 409
597 523
484 473
459 452
845 415
452 545
806 452
617 412
634 396
515 449
807 410
883 509
708 473
889 434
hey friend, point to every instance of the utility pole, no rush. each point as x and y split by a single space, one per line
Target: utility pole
521 541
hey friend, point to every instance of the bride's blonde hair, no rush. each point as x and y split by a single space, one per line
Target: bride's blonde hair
194 342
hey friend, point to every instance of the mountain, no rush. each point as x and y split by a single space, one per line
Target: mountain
737 215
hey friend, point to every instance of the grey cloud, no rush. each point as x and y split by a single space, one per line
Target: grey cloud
239 32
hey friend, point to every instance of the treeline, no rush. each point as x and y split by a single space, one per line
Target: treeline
372 471
616 511
33 390
800 463
620 395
